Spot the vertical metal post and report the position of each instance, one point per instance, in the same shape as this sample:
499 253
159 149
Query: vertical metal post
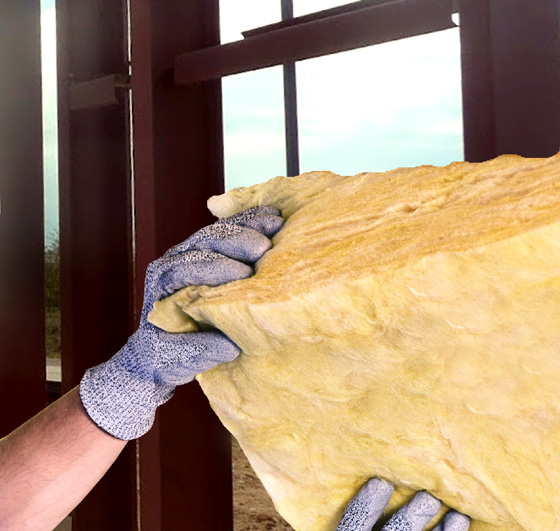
511 78
95 229
22 291
290 105
185 459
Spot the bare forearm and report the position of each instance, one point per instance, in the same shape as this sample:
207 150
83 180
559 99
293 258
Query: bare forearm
50 463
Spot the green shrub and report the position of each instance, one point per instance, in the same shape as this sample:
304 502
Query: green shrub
52 274
52 297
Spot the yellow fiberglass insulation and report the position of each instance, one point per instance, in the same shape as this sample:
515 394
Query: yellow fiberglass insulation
405 325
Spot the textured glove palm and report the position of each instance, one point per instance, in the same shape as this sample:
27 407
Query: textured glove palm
121 395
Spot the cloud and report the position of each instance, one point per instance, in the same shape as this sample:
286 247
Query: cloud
303 7
242 15
254 145
243 144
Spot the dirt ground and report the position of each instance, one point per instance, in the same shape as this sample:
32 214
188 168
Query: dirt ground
253 509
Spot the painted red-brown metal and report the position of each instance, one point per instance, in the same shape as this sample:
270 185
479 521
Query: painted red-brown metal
147 448
511 78
479 120
185 459
95 230
100 92
347 31
22 314
290 103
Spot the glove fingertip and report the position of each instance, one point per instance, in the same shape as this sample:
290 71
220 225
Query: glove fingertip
265 224
273 225
366 506
455 521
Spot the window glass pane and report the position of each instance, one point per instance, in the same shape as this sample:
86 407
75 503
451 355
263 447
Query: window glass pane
241 15
382 107
254 142
304 7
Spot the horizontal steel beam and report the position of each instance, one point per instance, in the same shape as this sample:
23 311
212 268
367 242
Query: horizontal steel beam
100 92
317 15
346 31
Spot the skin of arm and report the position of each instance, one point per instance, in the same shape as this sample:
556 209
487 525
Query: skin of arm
49 464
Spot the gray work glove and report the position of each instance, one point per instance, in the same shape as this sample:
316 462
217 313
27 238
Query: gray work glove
122 394
366 507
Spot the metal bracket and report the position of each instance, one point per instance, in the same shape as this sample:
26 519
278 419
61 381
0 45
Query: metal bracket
98 93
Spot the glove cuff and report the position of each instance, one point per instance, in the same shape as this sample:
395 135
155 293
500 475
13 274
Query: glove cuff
119 400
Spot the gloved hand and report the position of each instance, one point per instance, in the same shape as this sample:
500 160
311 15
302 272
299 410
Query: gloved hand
366 507
122 394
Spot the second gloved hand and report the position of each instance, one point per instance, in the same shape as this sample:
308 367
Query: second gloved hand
366 507
122 394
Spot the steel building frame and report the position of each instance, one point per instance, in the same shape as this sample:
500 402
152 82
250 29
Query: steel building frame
121 208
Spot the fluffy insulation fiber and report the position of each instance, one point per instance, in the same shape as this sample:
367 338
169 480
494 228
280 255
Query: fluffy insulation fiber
405 325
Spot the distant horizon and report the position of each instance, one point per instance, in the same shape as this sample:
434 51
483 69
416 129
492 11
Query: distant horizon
392 105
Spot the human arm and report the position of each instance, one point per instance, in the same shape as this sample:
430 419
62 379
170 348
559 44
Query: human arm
49 464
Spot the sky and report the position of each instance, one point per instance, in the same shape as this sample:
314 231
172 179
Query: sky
50 146
392 105
372 109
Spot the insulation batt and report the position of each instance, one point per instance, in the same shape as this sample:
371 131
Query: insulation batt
405 325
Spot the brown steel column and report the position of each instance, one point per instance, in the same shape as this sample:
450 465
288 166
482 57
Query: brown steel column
185 460
95 226
22 291
511 78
